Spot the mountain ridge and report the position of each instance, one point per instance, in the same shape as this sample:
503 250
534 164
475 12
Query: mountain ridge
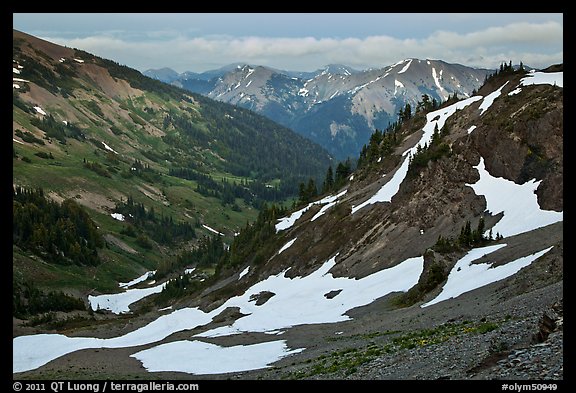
307 101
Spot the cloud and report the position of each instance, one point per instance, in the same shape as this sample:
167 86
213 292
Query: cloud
536 44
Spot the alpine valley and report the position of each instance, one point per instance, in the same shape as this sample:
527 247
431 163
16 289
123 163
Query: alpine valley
161 234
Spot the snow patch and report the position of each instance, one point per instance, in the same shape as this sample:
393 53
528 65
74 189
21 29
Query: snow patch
249 83
518 202
15 70
40 110
403 70
437 81
15 86
189 271
17 141
137 280
287 245
489 99
466 276
109 148
515 91
543 78
78 60
212 230
119 303
397 84
289 221
117 216
197 357
244 272
472 128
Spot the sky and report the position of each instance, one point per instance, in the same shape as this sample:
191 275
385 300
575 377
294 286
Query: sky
304 42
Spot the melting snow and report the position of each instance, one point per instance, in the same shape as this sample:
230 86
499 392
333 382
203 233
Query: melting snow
119 303
297 301
543 78
390 189
108 148
212 230
244 272
472 128
301 300
466 276
287 245
403 70
205 358
437 81
518 202
288 222
40 110
118 216
397 84
137 280
489 99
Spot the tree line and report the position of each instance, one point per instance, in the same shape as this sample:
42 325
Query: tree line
161 228
60 233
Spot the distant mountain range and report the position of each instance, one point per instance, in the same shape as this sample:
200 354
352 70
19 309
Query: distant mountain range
337 106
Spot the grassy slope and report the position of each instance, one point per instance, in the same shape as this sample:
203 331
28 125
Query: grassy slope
124 123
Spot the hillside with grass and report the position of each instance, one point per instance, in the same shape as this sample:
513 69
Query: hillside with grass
134 171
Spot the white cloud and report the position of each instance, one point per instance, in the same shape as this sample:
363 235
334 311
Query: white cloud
536 44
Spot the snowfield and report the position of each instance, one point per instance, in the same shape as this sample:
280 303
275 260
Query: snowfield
300 300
